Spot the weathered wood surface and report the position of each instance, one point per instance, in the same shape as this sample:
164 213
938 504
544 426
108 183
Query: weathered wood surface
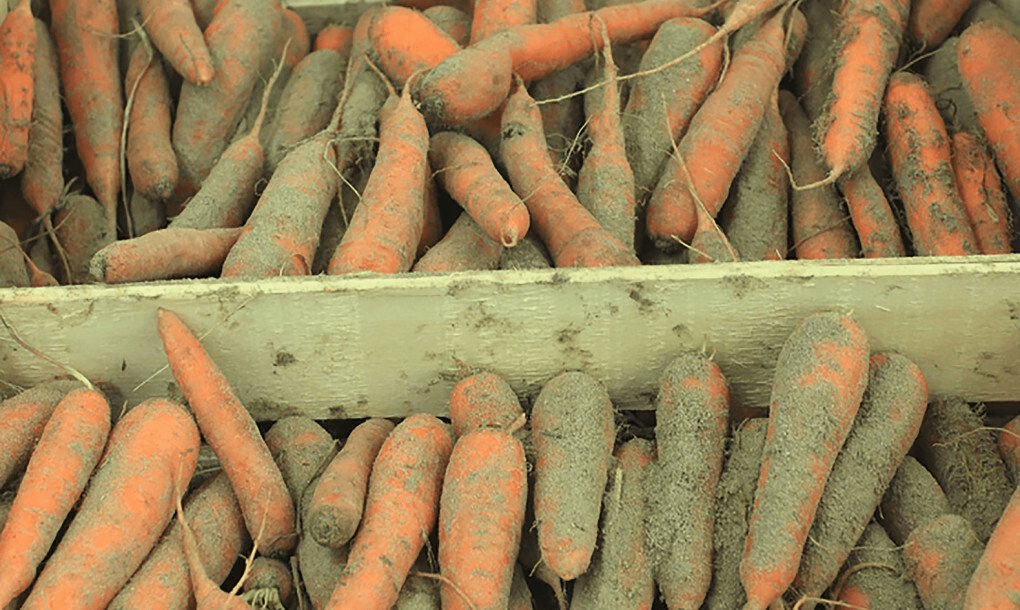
351 347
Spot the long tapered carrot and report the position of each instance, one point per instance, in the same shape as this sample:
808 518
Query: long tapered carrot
17 84
981 193
174 31
995 584
42 180
151 160
22 419
492 16
61 464
871 214
231 432
401 510
128 503
163 255
86 37
821 373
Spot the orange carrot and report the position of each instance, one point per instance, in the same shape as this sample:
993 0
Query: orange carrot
481 511
573 236
821 373
483 400
1009 448
42 181
61 464
464 247
335 37
466 172
451 20
208 595
269 581
995 583
812 75
294 37
17 84
941 557
404 41
920 157
718 138
150 155
931 21
981 193
86 37
128 503
229 429
338 499
22 419
872 215
165 254
492 16
175 32
875 576
401 510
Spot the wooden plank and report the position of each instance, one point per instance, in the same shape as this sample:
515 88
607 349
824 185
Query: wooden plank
350 347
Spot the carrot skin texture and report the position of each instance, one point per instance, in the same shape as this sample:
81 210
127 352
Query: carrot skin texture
338 500
464 247
481 511
401 509
172 26
455 22
163 254
822 369
941 557
17 87
1009 447
152 162
920 157
22 419
61 464
231 432
913 498
872 215
42 179
931 21
334 37
981 193
876 575
128 503
404 41
301 449
492 16
995 583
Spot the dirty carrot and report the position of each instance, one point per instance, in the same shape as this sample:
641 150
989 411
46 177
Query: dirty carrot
319 567
941 557
996 579
404 41
820 376
464 247
128 503
62 462
455 22
871 214
81 227
483 400
42 180
13 271
981 193
17 84
492 16
401 509
151 160
913 498
231 432
22 419
269 582
812 75
574 237
931 21
1009 448
335 37
208 594
875 576
301 448
164 254
174 31
338 499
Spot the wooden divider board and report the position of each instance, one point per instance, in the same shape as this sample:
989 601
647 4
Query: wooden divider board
345 347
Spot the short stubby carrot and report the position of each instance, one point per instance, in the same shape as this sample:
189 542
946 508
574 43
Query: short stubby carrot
996 579
919 153
151 160
483 400
22 419
17 85
981 193
401 510
821 373
172 26
231 432
129 502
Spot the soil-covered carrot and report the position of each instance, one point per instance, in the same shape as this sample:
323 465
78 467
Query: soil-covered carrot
451 20
335 37
489 17
129 502
1009 448
22 419
464 247
529 253
621 572
164 254
320 568
301 448
692 413
573 431
996 579
920 156
520 593
62 462
13 272
887 423
465 170
403 41
964 458
912 499
875 575
208 595
269 582
942 72
530 557
481 511
163 582
150 155
574 237
86 37
872 216
17 84
718 138
81 227
336 503
483 400
401 509
931 21
175 32
42 180
231 432
734 497
821 373
941 557
981 193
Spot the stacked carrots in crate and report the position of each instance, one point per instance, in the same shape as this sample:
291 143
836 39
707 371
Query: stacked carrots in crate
223 138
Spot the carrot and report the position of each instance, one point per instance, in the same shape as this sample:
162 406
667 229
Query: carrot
336 502
421 589
208 595
150 155
520 593
295 38
812 72
127 505
886 426
387 225
573 431
931 21
42 180
920 157
229 429
13 272
401 509
451 20
734 496
465 170
301 448
61 464
718 138
319 567
404 41
269 583
621 574
163 581
529 253
871 214
574 237
493 16
241 41
17 59
465 247
483 400
818 225
1009 448
964 458
942 72
530 557
875 575
692 412
941 557
996 579
335 37
81 227
164 254
821 373
22 419
912 499
175 32
981 193
86 38
867 45
481 511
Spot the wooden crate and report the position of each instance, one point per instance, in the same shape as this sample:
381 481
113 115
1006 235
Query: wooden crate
345 347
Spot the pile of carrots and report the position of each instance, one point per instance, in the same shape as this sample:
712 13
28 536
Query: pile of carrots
856 489
147 140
